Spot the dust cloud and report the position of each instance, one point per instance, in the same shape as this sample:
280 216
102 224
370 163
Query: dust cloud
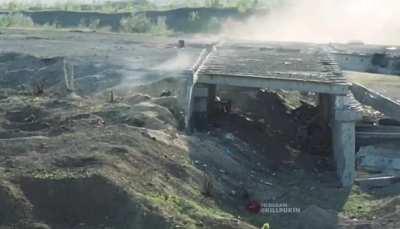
322 21
182 61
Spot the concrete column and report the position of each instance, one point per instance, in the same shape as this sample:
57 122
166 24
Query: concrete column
199 107
344 151
343 139
189 101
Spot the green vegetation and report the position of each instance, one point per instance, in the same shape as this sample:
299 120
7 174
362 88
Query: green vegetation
359 204
187 210
196 23
15 20
138 23
134 24
92 25
136 6
266 226
107 7
141 24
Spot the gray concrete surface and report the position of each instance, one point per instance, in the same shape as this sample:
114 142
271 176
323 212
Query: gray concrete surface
286 66
344 151
380 102
385 85
380 158
344 139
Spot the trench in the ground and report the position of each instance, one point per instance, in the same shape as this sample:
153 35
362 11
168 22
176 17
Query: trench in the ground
28 118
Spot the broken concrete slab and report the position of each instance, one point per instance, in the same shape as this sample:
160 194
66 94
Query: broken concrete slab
376 100
380 158
378 181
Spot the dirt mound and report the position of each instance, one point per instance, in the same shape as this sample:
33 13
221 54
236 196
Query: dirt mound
315 217
136 98
145 114
177 87
388 213
391 206
84 202
135 146
14 206
89 202
172 103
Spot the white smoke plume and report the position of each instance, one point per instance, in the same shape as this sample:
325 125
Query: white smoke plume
322 21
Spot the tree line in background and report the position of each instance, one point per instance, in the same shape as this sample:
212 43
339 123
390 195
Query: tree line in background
133 24
140 5
190 19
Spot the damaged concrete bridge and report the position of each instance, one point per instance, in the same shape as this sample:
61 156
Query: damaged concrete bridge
279 66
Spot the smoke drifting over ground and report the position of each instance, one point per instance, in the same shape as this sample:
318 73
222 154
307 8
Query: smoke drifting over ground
371 21
182 61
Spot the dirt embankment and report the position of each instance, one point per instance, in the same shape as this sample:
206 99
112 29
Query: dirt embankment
74 163
118 159
95 161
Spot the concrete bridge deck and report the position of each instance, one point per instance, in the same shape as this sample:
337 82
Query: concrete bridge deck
273 65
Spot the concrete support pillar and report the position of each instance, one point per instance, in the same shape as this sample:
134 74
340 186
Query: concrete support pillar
343 139
200 101
344 151
189 101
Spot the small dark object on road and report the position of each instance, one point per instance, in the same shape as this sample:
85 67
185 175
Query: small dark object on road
166 93
181 44
38 88
100 123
